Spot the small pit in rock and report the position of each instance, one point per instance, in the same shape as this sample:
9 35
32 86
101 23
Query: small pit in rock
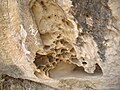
84 63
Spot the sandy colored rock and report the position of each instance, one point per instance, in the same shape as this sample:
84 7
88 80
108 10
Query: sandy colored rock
63 44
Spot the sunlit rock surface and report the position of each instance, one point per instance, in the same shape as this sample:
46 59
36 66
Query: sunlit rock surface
60 44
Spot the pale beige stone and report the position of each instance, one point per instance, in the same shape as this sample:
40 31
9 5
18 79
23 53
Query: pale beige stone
38 42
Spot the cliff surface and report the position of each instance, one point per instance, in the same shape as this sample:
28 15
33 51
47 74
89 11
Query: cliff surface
59 45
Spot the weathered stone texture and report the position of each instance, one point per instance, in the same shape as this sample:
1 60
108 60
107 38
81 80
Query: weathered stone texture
65 44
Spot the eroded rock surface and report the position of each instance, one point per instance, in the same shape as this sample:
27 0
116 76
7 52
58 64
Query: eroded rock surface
62 42
65 44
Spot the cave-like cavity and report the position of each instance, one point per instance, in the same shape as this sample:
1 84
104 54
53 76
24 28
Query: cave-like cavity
61 55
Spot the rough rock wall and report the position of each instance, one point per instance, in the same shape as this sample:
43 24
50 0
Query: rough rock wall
10 83
65 44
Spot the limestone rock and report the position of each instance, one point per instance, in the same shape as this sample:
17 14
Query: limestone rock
60 44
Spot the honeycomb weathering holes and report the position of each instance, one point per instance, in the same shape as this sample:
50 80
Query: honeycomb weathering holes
58 55
57 68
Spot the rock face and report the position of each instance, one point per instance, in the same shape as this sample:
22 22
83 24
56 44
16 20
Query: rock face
59 45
